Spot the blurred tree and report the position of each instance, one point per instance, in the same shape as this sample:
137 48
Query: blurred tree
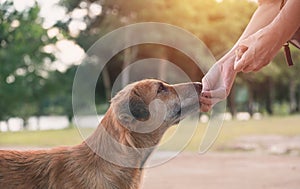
23 70
58 90
260 87
289 79
218 24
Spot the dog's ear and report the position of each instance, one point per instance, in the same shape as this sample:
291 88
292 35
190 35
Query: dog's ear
138 108
134 109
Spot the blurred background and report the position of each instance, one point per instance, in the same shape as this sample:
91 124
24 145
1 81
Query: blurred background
43 42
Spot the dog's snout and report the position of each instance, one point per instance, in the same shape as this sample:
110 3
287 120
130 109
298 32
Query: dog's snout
198 87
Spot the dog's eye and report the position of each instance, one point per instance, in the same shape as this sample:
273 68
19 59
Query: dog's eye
161 88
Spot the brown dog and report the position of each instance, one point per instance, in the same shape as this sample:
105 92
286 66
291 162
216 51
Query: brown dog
113 156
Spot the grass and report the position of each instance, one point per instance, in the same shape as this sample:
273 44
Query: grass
286 126
41 138
174 139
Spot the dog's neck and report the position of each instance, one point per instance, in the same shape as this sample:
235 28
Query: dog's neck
115 146
111 135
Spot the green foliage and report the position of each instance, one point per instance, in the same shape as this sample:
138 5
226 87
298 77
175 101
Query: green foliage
22 71
287 73
58 90
27 87
217 24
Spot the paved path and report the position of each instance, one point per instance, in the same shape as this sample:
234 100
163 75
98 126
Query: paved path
225 171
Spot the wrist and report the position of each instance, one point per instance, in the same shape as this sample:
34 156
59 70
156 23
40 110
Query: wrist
229 55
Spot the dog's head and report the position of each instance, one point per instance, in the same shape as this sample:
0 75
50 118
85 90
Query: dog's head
150 104
138 117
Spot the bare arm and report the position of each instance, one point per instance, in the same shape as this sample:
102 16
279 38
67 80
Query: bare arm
264 15
259 49
287 22
218 81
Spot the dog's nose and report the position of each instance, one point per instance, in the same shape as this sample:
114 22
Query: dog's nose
198 87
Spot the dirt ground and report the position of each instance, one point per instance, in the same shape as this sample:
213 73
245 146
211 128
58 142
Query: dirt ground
225 170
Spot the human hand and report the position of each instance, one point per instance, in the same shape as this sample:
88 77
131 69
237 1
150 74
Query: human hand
257 51
217 83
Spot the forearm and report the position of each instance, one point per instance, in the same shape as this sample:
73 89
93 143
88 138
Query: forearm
287 21
264 15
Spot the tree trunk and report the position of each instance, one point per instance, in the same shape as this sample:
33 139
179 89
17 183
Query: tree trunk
269 96
25 123
292 96
250 101
125 68
231 102
129 56
298 107
106 83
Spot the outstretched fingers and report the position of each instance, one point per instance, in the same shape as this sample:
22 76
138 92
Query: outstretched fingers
209 98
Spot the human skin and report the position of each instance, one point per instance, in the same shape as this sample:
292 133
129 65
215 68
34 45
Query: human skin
260 48
266 19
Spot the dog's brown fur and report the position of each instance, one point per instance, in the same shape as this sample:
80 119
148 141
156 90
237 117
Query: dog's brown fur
80 166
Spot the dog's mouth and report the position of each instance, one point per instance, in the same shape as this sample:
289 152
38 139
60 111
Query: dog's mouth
177 118
183 111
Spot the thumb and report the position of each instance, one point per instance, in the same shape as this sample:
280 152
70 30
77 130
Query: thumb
241 63
240 51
